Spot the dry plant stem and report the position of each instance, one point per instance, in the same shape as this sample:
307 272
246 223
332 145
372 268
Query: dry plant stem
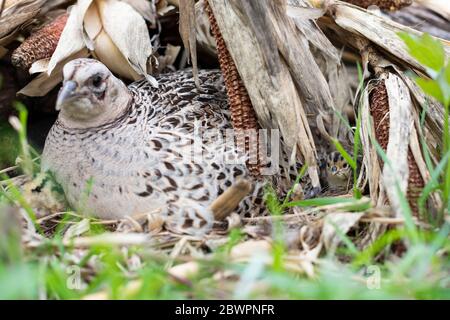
228 201
40 45
382 4
243 115
379 108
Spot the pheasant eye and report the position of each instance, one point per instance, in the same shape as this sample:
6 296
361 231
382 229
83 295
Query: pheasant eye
97 81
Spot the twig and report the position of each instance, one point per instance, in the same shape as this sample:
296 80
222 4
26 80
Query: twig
227 202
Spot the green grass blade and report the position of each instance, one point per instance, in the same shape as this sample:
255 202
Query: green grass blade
345 154
345 239
297 180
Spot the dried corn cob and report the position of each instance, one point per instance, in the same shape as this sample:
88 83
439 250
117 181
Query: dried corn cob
382 4
243 115
379 108
40 45
415 183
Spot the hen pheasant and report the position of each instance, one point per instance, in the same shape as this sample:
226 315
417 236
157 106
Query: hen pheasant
137 146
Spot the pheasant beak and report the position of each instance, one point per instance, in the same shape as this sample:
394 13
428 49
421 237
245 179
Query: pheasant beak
67 92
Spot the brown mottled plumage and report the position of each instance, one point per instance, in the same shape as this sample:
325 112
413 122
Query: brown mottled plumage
338 172
132 143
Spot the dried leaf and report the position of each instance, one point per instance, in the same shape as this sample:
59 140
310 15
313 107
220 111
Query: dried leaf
272 91
371 168
155 222
395 175
439 6
39 66
382 31
245 250
188 33
382 4
306 25
16 13
185 270
336 225
116 238
71 41
43 83
234 221
130 36
145 8
77 229
202 26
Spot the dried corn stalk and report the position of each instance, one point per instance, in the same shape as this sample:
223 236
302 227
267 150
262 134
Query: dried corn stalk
392 110
205 39
421 18
277 67
187 32
243 115
328 59
330 90
380 30
393 102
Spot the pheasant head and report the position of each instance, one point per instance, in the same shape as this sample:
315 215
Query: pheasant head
91 95
337 167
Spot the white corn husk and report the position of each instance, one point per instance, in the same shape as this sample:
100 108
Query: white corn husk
111 30
441 7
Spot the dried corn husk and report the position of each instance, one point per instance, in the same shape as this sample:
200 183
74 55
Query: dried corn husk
93 27
15 14
277 67
396 174
396 127
44 82
187 32
421 18
336 223
326 56
329 61
376 37
203 29
380 30
439 6
147 9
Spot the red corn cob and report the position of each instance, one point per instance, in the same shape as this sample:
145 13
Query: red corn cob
40 45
